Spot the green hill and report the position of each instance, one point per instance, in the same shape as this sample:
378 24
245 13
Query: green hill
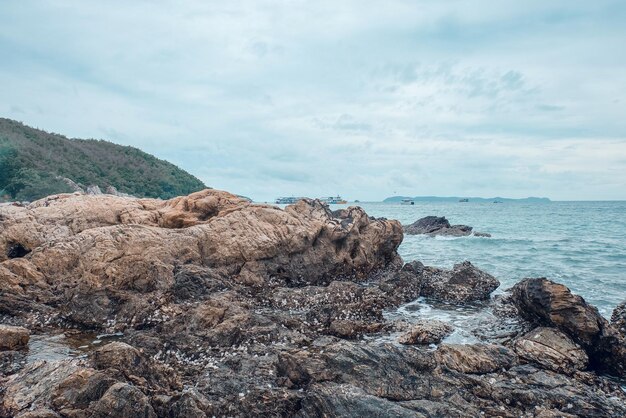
32 163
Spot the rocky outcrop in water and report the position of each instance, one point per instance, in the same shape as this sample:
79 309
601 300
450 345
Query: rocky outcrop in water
434 225
225 308
553 304
464 283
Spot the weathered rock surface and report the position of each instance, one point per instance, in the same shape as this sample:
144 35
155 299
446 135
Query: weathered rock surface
552 304
234 309
435 225
551 349
464 283
426 332
13 338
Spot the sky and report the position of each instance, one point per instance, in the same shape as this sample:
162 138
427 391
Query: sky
365 99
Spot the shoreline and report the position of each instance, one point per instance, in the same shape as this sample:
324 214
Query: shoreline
209 305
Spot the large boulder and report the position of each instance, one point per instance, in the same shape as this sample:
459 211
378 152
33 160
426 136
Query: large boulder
553 304
435 225
102 252
464 283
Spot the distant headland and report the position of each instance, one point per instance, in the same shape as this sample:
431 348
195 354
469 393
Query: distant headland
398 199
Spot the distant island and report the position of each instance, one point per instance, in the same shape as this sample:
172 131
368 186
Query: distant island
35 164
398 199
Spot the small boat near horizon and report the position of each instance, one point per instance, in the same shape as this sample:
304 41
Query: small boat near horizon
407 202
287 200
464 200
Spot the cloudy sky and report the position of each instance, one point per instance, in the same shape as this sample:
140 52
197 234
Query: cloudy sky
362 98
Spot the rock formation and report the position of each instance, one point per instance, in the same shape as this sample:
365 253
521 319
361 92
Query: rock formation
464 283
208 305
434 225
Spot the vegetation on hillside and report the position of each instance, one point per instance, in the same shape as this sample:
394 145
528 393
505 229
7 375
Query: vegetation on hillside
33 161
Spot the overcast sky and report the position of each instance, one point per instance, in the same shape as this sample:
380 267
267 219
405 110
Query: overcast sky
360 98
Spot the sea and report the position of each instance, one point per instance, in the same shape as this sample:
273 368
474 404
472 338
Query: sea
579 244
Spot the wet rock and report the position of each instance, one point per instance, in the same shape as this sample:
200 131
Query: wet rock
426 332
551 349
476 358
434 225
403 285
552 304
464 283
13 338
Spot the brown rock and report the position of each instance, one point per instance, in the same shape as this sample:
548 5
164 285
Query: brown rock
102 251
426 332
552 304
13 338
551 349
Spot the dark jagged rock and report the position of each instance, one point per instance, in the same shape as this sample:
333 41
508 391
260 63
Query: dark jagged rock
464 283
552 304
435 225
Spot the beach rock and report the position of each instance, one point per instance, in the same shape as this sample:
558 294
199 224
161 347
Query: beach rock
426 332
434 225
103 251
551 349
482 234
464 283
552 304
13 338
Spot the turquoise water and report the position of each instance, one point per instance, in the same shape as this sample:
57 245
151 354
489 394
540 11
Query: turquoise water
579 244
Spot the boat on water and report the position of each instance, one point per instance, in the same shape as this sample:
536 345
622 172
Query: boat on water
464 200
333 200
287 200
407 202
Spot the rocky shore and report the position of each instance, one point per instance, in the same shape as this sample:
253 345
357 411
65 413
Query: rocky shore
208 305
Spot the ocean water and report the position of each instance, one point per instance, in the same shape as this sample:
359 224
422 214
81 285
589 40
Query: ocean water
579 244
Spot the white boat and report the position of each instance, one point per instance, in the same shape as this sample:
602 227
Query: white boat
333 200
287 200
407 202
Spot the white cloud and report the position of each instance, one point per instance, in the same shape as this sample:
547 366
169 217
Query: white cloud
361 98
